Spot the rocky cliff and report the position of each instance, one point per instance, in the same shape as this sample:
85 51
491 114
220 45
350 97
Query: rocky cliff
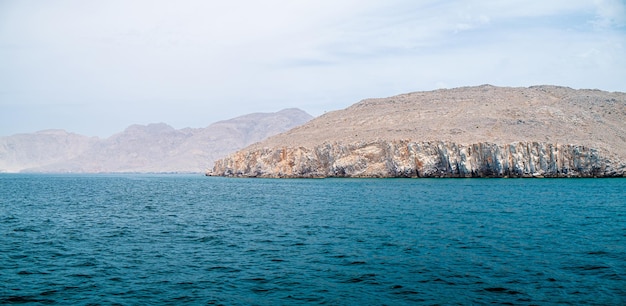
484 131
422 159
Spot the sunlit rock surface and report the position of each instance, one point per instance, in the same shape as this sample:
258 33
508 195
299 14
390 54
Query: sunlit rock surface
421 159
483 131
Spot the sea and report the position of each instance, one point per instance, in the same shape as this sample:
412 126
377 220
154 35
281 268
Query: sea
147 239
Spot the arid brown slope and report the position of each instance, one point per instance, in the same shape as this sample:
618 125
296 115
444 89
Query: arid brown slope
548 115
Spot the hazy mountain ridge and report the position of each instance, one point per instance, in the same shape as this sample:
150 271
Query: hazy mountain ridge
23 151
460 132
154 147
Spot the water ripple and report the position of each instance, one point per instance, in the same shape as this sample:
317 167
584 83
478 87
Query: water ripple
151 239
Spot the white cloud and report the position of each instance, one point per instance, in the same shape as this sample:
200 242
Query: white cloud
610 13
202 61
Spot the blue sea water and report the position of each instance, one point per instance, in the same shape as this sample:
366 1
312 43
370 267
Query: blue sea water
189 239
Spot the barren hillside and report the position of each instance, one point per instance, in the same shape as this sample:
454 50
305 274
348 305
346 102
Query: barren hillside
464 116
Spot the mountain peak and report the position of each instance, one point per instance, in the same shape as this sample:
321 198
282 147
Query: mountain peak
155 147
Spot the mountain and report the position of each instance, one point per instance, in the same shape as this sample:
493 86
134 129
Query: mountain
142 148
481 131
23 151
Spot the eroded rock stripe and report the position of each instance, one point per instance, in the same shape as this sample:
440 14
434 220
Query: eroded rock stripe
406 158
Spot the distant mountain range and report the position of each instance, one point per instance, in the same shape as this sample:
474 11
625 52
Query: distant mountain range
142 148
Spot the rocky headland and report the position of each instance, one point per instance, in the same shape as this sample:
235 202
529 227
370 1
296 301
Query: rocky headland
482 131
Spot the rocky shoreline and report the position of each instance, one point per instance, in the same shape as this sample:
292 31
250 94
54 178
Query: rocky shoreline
421 159
480 131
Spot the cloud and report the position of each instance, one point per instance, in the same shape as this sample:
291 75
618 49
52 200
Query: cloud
202 61
610 14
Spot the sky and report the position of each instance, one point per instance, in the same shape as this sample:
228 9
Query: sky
96 67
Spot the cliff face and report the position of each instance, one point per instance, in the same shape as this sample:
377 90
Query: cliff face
422 159
482 131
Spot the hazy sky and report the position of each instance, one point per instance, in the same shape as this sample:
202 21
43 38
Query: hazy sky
95 67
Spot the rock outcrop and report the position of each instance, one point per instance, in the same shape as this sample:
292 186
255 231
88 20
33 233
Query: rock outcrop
483 131
421 159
